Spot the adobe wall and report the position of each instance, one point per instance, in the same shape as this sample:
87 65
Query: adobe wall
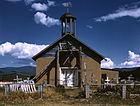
91 65
111 74
94 69
40 64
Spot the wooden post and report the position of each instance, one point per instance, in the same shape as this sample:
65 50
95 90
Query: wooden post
57 69
6 90
40 89
124 92
80 65
74 28
70 25
85 67
87 91
66 26
86 85
62 27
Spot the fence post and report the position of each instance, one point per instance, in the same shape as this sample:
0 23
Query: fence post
6 90
87 91
40 91
124 91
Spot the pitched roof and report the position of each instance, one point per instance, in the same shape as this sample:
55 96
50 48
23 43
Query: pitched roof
77 43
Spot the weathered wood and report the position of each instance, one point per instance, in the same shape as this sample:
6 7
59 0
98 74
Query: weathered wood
62 28
6 90
70 68
66 26
70 25
80 65
40 90
74 27
124 91
85 67
86 91
69 50
43 71
57 69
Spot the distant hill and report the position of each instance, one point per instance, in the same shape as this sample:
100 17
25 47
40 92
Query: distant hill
28 70
135 73
125 72
126 69
9 73
11 77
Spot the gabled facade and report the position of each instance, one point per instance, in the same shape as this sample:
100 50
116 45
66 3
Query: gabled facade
65 61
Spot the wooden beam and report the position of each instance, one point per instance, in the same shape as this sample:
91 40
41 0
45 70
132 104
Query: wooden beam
70 25
80 65
57 69
69 68
68 50
44 71
66 26
74 28
62 27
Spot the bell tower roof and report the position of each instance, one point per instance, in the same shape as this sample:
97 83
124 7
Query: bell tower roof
67 16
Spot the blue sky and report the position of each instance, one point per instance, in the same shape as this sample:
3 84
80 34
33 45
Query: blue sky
111 27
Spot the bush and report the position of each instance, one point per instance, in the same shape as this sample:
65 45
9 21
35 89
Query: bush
60 89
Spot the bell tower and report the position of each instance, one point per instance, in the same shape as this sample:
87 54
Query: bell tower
68 23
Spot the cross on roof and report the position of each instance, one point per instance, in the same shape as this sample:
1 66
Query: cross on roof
67 6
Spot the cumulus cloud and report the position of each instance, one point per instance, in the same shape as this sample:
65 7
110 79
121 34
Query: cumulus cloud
13 0
108 63
130 11
89 26
39 7
28 1
132 61
20 50
40 18
51 3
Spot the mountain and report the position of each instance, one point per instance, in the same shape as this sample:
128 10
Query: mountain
135 73
126 69
28 70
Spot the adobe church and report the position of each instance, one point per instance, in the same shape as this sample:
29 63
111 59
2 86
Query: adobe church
70 62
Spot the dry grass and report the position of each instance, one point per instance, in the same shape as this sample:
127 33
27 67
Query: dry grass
51 97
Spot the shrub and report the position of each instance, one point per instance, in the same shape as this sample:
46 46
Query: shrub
60 89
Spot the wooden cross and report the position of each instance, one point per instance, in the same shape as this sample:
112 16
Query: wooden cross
107 80
17 79
67 6
130 77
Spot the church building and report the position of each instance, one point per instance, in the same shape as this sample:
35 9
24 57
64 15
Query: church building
70 62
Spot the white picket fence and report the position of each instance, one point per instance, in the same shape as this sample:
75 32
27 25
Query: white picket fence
27 88
24 87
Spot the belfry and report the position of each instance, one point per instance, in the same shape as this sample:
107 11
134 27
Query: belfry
67 60
69 21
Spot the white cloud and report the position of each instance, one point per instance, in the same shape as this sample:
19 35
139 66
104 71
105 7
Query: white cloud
107 64
20 50
39 7
89 26
132 61
28 1
40 18
133 11
51 3
13 0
